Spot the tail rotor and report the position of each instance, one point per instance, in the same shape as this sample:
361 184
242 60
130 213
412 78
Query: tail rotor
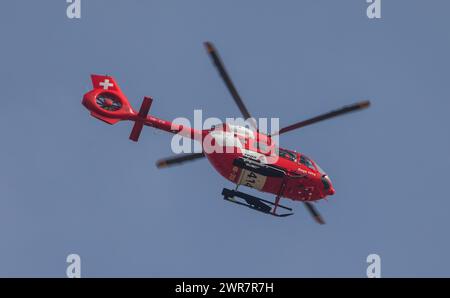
107 102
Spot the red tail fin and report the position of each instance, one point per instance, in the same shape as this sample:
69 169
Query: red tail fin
106 101
106 83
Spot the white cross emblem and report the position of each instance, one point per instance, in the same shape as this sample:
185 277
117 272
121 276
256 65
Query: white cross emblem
106 84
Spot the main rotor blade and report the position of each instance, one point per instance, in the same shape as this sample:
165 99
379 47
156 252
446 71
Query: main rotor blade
344 110
315 214
226 78
166 162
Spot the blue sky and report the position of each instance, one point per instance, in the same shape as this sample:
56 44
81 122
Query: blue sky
72 184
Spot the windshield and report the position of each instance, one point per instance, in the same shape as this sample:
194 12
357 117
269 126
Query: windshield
307 162
320 170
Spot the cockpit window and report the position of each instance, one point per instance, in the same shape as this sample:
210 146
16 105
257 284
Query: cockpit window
287 154
307 162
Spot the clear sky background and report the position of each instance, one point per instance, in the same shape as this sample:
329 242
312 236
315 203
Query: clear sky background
72 184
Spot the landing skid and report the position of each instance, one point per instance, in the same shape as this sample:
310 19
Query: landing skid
254 203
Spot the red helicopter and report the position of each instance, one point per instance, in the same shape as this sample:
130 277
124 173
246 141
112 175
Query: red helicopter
255 161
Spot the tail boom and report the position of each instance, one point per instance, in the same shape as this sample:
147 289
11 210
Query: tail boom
108 103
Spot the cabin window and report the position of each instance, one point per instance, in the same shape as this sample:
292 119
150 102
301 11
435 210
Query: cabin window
287 154
307 162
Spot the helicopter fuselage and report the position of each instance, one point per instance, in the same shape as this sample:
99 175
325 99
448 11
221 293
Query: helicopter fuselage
255 161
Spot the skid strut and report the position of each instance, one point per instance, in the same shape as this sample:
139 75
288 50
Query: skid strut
254 203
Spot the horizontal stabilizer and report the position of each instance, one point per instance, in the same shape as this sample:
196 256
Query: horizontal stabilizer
142 115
